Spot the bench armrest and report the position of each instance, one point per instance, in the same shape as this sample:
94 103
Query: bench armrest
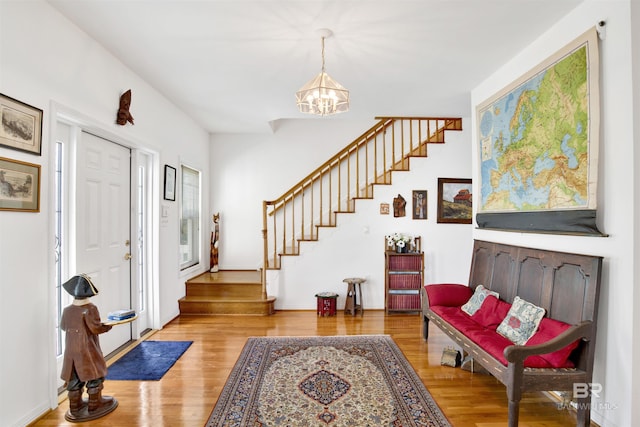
447 294
517 353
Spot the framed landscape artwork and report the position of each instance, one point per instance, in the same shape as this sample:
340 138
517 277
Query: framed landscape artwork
455 202
21 127
19 186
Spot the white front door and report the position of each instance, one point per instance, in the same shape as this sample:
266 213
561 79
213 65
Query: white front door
103 229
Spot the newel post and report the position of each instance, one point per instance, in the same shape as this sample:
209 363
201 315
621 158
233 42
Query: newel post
265 254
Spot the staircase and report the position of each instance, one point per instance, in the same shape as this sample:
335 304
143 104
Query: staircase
315 202
226 292
351 174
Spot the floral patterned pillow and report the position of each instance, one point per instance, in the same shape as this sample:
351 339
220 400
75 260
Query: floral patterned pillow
521 321
476 300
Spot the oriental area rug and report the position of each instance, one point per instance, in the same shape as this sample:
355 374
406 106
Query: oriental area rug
362 380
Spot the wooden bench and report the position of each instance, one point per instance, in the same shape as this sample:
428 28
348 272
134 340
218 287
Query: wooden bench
566 285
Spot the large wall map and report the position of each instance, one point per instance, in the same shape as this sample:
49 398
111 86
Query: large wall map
538 146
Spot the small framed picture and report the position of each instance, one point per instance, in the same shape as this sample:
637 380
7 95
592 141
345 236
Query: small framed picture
169 183
19 186
455 200
21 127
384 208
419 204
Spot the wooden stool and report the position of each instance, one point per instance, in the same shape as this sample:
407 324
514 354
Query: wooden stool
354 295
326 303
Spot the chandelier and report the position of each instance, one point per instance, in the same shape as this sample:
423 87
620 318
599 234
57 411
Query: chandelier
322 95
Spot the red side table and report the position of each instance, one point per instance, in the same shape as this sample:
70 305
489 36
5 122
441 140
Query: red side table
326 303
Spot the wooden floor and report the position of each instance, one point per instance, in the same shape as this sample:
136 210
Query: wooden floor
187 393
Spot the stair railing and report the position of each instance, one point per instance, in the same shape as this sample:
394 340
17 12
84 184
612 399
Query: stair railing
298 214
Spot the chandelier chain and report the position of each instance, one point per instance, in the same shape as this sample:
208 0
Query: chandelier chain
323 54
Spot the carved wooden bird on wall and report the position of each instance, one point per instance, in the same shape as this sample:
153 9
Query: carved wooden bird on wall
124 115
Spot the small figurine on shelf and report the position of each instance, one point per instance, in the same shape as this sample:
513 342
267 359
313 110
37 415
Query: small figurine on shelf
215 239
83 362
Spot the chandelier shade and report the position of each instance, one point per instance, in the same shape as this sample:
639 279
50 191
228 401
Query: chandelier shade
322 95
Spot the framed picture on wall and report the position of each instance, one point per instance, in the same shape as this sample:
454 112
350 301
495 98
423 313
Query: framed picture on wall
21 126
419 204
169 183
455 200
19 186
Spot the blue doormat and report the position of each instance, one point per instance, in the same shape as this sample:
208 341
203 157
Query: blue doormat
149 361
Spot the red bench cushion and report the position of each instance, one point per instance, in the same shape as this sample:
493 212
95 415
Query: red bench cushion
491 312
458 319
551 328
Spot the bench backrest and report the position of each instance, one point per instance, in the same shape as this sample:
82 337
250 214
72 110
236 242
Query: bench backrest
567 285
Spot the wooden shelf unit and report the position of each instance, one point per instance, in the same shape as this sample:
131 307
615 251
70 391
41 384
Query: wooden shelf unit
404 277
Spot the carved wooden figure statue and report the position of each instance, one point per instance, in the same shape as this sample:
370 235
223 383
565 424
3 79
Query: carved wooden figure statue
215 239
399 204
124 115
83 363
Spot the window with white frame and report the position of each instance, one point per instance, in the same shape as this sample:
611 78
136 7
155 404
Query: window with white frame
189 217
60 230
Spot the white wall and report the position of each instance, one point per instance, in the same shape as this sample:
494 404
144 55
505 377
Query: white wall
614 366
47 62
635 89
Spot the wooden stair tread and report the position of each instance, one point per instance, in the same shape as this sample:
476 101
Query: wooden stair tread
228 277
222 300
226 292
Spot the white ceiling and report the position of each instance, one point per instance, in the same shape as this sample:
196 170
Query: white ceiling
235 65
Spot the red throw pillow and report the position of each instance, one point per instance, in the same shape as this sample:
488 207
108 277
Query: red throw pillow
548 329
491 312
448 294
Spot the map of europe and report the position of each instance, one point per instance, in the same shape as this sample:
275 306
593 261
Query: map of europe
534 141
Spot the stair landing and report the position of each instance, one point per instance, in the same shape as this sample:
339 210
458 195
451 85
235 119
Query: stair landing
226 292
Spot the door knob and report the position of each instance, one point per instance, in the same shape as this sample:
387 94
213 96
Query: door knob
127 256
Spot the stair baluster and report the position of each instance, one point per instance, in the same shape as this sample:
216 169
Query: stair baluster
312 199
